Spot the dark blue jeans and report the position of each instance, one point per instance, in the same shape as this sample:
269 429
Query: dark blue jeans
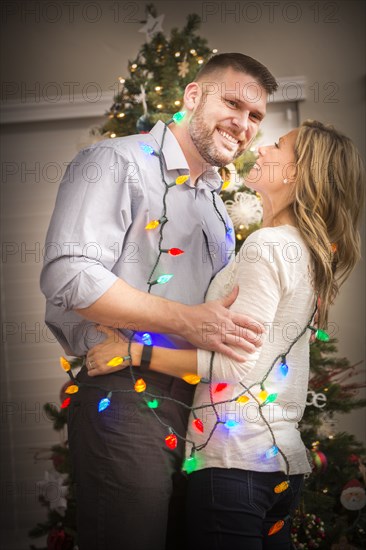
232 509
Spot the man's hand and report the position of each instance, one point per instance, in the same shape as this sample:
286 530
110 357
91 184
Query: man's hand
212 326
114 346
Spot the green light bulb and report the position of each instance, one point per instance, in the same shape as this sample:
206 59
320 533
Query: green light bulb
177 117
322 335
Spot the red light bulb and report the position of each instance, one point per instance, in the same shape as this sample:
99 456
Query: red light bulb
221 386
175 251
171 441
197 423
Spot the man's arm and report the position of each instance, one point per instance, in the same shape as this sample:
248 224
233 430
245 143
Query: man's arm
211 326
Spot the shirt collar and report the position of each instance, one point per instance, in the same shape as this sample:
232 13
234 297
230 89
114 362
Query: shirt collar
175 159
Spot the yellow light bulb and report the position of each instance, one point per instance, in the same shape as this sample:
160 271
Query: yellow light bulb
72 389
191 379
181 179
121 80
140 385
243 399
158 88
152 224
177 54
65 364
113 135
281 487
159 106
225 185
115 362
121 115
177 102
262 396
239 237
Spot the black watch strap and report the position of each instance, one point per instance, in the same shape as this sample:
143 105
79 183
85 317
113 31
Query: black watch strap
146 358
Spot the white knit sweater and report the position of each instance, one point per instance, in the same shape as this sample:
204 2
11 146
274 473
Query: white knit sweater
273 271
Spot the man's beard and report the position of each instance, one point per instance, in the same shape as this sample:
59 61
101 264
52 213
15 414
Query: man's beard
202 137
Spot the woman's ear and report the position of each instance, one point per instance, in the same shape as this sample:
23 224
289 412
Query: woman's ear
192 95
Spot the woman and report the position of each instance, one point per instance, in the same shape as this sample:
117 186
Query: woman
244 452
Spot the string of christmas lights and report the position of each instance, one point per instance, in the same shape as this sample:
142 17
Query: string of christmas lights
152 400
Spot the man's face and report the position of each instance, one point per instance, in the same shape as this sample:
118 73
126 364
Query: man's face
227 117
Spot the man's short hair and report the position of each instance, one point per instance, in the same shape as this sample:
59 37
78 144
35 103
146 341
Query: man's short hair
241 63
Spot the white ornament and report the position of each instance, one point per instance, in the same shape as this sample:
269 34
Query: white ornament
141 98
53 490
245 209
152 26
353 496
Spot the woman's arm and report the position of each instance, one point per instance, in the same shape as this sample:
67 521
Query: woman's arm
164 360
262 275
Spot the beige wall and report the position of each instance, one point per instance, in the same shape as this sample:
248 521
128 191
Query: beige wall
328 53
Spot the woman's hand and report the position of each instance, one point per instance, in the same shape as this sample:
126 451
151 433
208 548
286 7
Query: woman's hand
114 347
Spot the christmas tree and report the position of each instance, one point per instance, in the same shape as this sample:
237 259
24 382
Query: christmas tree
331 514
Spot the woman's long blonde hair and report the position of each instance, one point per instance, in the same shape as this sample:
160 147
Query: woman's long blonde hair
329 195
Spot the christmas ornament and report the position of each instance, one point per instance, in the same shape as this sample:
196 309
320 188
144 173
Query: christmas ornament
353 496
54 491
244 210
183 68
307 531
319 460
59 540
152 26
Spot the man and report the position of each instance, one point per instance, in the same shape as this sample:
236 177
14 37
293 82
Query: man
128 487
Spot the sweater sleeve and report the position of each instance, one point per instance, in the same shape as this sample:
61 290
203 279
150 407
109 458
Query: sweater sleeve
263 275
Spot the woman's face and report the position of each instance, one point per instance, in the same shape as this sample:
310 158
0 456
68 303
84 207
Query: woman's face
275 166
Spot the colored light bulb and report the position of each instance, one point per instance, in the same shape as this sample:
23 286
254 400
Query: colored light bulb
66 402
153 404
221 386
225 185
152 224
190 464
181 179
281 487
171 441
276 527
191 379
163 279
229 424
179 116
72 389
242 399
65 364
283 368
322 335
198 424
175 251
272 397
146 338
270 453
105 402
115 361
262 396
147 149
229 230
140 385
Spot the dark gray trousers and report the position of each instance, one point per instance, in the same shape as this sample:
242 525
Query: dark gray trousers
129 489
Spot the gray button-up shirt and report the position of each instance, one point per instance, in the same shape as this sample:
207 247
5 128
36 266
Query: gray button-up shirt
109 192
